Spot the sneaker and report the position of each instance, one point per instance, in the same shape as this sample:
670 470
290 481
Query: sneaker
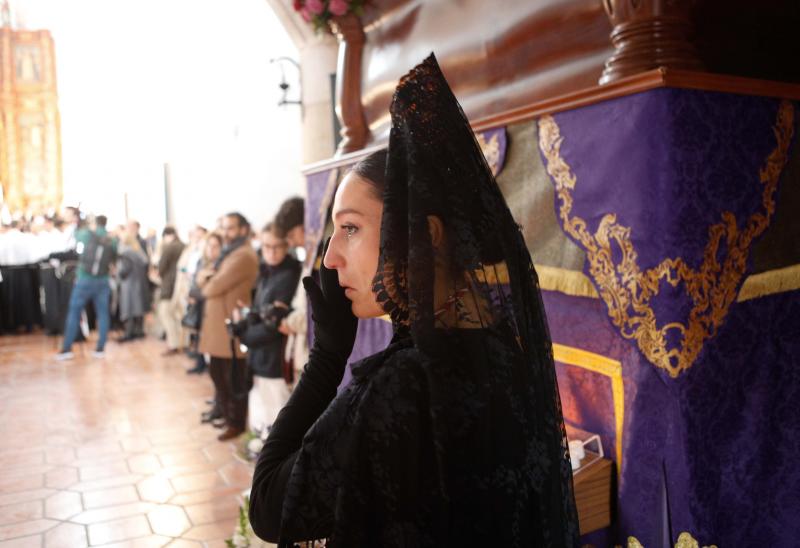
64 356
98 354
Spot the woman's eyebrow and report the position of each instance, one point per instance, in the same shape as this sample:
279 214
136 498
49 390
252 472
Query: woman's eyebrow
347 210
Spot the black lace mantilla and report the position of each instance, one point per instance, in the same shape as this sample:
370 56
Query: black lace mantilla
452 436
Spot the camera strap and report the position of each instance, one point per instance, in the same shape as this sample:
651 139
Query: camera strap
238 380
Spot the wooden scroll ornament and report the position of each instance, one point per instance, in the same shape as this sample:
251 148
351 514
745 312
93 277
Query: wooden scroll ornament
649 34
350 33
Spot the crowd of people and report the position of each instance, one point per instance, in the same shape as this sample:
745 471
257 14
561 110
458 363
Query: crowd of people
452 434
227 298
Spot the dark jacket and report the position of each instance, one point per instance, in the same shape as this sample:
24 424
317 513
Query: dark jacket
168 267
134 289
259 330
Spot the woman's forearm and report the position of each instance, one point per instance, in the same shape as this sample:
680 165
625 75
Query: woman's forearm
312 395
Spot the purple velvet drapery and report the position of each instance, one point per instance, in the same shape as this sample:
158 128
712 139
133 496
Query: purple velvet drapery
667 191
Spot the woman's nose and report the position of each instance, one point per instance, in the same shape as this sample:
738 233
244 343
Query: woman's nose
332 259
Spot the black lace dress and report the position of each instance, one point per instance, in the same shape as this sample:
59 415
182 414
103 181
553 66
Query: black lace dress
453 435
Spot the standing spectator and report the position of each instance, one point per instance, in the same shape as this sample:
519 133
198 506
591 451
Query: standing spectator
232 281
19 254
134 287
134 227
183 280
204 269
97 253
150 241
276 285
171 249
290 220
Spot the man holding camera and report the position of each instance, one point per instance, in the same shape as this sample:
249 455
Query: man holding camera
257 328
229 282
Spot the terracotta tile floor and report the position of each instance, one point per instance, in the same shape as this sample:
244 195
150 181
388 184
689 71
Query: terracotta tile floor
110 452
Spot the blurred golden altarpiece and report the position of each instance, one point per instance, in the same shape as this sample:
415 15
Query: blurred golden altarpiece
30 132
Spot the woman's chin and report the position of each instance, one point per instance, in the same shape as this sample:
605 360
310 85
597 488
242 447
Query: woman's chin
364 311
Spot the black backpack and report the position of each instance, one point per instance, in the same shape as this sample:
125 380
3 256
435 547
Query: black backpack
97 255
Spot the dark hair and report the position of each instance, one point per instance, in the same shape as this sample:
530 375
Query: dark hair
101 220
274 229
240 219
373 170
169 231
290 214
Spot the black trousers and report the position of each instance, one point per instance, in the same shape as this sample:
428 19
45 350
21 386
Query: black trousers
232 383
134 327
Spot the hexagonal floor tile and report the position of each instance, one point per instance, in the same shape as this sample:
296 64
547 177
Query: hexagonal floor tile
168 520
63 505
155 489
66 534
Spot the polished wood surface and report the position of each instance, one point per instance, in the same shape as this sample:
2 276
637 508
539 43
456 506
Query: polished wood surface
593 493
649 34
101 451
596 93
349 108
496 55
502 56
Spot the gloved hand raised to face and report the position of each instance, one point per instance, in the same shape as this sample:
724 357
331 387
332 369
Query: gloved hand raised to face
335 325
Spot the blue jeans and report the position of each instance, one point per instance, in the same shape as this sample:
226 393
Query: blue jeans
86 289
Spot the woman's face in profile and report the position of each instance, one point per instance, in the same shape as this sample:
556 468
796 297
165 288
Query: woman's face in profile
354 247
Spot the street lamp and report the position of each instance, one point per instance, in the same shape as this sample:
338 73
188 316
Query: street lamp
284 85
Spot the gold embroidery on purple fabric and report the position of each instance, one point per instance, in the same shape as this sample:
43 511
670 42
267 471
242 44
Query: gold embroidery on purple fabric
628 291
685 540
491 150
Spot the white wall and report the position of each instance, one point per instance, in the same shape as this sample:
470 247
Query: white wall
181 81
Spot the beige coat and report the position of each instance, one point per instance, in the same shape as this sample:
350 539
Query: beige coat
233 282
297 343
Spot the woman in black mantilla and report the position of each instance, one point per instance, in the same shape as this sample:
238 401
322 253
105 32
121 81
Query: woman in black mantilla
453 435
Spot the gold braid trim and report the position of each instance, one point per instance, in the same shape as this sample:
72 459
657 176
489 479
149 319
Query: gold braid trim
627 289
577 284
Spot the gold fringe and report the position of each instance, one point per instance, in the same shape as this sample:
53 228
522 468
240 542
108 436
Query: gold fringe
569 282
577 284
770 282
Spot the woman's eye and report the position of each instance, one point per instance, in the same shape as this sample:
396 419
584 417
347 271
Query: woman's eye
349 230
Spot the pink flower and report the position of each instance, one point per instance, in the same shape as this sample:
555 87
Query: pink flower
315 6
305 14
297 4
338 7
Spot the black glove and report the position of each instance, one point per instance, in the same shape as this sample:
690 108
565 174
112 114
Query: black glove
252 318
335 325
334 334
237 329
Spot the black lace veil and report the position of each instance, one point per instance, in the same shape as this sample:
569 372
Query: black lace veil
480 279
